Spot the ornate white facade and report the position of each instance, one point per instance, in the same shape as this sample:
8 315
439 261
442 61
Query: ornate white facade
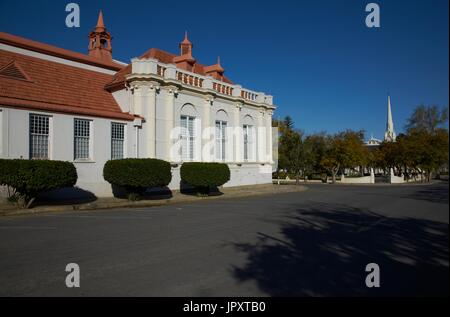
226 127
87 109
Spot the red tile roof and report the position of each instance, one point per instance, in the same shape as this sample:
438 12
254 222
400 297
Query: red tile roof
27 44
163 57
56 87
34 83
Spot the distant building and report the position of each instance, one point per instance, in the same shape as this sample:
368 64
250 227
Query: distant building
373 141
389 134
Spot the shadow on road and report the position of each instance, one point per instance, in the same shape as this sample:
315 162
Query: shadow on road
324 250
433 193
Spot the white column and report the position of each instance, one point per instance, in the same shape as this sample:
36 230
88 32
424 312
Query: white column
206 130
169 106
137 99
269 136
261 138
237 133
150 118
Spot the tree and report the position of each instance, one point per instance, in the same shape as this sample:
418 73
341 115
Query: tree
317 144
391 155
301 158
440 146
344 150
288 123
286 142
356 153
333 156
418 152
428 118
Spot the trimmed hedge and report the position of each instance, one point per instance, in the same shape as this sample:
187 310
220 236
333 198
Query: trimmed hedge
205 175
29 178
136 175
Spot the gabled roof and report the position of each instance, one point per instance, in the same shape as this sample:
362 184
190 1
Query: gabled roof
57 87
163 57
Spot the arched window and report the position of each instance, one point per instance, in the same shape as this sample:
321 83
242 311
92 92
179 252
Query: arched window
104 43
188 133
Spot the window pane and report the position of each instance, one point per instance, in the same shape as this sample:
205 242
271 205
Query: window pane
81 139
191 148
39 136
187 137
117 140
223 136
248 135
183 125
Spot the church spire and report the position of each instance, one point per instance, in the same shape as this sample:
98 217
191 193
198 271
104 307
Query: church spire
186 45
100 41
389 135
100 24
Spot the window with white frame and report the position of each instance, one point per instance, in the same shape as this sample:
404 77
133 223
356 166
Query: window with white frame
248 142
117 140
82 134
39 136
221 140
187 137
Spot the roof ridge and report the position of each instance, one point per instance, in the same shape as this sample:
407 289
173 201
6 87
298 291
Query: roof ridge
43 48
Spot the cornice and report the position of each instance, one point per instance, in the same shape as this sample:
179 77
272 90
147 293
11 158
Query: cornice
164 82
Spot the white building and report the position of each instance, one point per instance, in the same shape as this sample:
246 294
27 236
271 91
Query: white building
62 105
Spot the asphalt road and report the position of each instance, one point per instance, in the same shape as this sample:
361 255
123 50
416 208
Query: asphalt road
316 242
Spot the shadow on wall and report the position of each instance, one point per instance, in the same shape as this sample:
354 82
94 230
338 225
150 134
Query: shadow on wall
325 250
65 196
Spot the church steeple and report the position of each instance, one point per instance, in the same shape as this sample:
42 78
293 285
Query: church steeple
389 135
100 41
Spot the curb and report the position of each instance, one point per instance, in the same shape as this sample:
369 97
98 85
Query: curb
144 203
364 184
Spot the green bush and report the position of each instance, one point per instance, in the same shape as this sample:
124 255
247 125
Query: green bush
203 176
136 175
29 178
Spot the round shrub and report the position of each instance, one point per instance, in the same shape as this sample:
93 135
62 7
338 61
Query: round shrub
205 175
136 175
29 178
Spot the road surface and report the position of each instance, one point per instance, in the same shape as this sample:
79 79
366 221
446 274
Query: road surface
312 243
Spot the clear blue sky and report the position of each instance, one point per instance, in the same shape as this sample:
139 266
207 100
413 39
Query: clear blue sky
324 67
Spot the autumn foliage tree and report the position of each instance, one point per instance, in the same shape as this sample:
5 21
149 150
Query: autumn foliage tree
421 150
344 150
